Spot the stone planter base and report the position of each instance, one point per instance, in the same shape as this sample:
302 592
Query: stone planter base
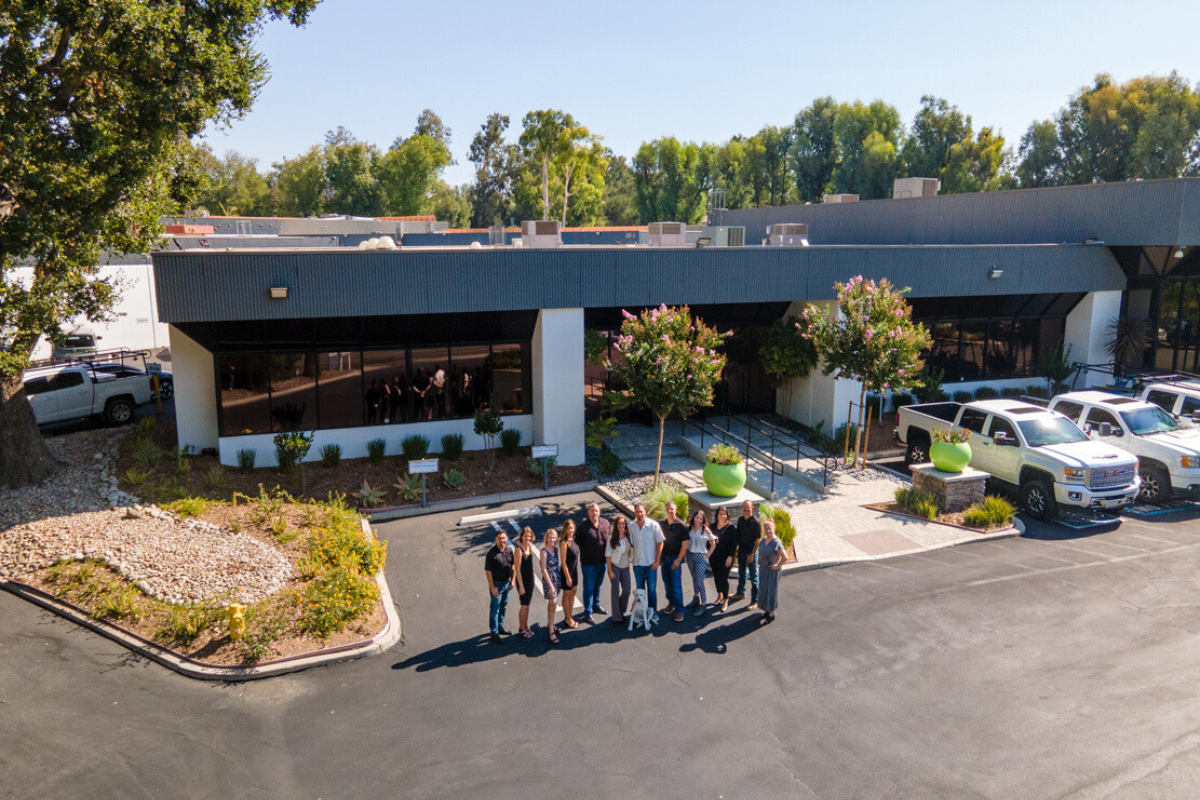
709 503
955 491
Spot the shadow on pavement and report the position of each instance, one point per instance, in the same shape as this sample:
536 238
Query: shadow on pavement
717 640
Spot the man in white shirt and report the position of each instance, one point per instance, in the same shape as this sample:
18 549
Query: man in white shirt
647 538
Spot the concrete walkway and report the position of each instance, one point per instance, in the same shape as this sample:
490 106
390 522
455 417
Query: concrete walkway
833 527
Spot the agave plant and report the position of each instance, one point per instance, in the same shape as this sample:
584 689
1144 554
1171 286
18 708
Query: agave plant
369 496
408 487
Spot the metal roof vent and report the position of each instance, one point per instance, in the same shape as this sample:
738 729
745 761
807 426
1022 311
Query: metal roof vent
788 234
905 188
839 198
541 233
668 234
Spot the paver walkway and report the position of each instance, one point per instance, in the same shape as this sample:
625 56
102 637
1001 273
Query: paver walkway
831 528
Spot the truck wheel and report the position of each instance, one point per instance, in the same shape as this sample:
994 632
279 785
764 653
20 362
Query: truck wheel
166 390
1037 498
1156 485
918 453
118 411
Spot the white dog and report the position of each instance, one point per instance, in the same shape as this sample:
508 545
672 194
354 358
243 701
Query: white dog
641 613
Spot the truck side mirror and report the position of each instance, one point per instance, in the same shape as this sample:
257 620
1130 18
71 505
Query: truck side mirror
1106 429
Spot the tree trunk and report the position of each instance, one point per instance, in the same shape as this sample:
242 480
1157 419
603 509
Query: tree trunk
24 457
545 187
858 436
662 423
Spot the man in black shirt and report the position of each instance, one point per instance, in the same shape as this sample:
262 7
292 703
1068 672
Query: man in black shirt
498 566
592 541
675 534
749 532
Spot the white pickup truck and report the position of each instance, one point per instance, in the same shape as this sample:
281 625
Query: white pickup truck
1168 453
63 392
1040 453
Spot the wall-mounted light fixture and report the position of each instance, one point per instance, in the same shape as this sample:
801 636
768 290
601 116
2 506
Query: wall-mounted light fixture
1179 252
995 272
278 292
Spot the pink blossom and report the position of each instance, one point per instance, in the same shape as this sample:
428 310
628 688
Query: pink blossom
868 334
666 338
663 308
900 372
627 315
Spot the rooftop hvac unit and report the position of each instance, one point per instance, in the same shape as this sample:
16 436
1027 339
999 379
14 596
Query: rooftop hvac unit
541 233
839 198
788 234
668 234
904 188
725 236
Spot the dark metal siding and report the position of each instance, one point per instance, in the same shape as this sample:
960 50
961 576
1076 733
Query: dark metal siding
197 286
1164 212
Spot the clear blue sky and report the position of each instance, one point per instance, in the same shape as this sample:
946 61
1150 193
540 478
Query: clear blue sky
635 71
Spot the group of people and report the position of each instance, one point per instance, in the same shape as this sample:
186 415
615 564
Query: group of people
431 394
632 554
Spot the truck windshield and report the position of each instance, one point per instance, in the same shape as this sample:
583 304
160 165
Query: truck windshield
1050 430
1149 420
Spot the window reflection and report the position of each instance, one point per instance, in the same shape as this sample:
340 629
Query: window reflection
383 388
293 391
507 369
245 401
430 381
340 389
468 370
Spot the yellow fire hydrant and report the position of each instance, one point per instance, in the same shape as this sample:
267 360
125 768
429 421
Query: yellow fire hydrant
237 622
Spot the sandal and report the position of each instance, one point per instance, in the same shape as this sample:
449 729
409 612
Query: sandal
553 638
527 634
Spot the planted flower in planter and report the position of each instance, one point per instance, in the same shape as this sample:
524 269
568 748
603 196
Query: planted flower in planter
951 451
724 473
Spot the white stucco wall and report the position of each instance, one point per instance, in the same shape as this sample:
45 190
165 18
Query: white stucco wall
192 370
353 441
818 397
1085 333
558 382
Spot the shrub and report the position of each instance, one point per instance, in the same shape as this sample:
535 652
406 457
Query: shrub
534 466
143 428
376 448
724 454
902 399
991 512
846 433
930 390
342 546
265 625
488 425
1012 392
510 441
409 488
187 507
986 393
609 462
657 498
290 449
216 478
454 478
963 397
184 623
414 447
452 446
334 599
246 459
369 496
145 454
135 476
331 455
119 601
952 436
917 502
1038 391
784 528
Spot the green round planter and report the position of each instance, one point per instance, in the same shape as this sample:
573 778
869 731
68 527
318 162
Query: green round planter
724 480
950 457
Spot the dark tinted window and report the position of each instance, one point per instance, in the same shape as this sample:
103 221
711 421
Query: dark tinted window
1069 409
1001 426
1190 406
973 420
65 380
1164 400
37 386
1099 415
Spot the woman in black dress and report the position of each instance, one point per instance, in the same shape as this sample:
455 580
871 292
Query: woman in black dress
524 554
568 556
722 556
397 400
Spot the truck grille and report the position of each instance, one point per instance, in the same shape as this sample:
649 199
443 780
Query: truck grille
1111 477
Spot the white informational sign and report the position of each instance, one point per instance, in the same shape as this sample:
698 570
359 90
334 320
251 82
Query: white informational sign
545 451
427 466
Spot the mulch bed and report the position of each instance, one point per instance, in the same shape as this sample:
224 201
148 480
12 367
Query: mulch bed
954 520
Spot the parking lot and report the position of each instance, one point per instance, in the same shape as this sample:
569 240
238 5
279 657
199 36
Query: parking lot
1059 664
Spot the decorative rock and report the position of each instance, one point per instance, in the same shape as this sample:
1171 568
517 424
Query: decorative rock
955 491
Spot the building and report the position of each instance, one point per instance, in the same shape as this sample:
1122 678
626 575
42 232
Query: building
268 337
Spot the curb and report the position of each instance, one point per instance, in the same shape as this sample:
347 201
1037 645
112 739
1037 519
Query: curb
1008 533
404 512
199 670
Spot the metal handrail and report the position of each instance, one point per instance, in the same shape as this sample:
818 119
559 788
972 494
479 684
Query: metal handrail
753 423
765 459
798 442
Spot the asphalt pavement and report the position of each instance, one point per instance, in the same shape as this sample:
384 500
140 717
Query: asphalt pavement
1050 666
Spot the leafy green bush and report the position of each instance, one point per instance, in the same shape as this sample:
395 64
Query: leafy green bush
930 390
1012 391
952 436
376 448
846 433
963 397
454 479
902 399
331 455
1038 391
266 625
656 501
343 546
784 528
246 459
917 502
724 454
452 446
334 599
986 393
414 447
510 441
609 462
990 512
144 428
534 466
188 506
290 449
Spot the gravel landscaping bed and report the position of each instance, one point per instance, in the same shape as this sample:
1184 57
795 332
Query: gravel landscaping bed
632 489
79 514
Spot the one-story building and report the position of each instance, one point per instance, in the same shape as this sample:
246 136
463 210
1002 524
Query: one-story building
266 338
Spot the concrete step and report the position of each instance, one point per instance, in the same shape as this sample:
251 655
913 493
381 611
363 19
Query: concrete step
674 464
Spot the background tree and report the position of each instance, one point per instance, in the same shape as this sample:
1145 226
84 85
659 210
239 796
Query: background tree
351 169
665 178
670 364
409 170
495 163
867 163
786 356
869 337
564 158
620 194
232 186
298 184
814 145
936 129
451 204
99 101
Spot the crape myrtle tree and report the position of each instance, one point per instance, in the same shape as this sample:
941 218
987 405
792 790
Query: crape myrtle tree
869 337
670 363
98 103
